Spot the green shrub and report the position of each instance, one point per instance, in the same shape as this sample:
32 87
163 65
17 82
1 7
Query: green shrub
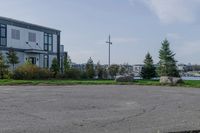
72 74
84 75
29 71
55 67
8 75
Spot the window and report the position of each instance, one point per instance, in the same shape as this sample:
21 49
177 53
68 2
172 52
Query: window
3 41
32 60
32 37
48 42
3 32
50 39
15 34
46 63
3 35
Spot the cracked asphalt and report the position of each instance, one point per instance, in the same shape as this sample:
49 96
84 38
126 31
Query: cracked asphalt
98 109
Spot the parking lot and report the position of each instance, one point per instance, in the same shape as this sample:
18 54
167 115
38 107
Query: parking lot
98 109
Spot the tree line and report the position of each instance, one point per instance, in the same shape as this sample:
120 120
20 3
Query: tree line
166 67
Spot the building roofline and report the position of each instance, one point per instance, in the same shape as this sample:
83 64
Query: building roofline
19 23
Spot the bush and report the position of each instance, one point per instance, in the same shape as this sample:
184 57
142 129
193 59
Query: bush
29 71
124 78
55 67
84 75
72 74
8 75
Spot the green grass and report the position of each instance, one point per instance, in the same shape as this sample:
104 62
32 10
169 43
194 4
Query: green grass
187 83
147 82
192 83
57 82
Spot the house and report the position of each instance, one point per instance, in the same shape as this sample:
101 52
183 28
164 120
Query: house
184 68
38 44
137 68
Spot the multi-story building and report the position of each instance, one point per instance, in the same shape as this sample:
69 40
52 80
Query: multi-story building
32 42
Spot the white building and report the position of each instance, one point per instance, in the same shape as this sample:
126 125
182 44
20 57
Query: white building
184 68
35 43
137 69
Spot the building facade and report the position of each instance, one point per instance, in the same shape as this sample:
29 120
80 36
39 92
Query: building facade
35 43
137 68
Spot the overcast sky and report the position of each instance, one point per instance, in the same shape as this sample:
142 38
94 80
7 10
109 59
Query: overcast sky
136 26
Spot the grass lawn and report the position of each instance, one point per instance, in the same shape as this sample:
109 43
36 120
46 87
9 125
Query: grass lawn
192 83
56 82
187 83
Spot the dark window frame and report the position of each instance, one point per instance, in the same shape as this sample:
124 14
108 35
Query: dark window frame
33 60
32 37
3 26
15 34
48 42
46 58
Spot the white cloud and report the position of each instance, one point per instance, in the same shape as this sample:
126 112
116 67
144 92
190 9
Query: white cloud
170 11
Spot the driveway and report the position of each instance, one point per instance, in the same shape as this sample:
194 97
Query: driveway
98 109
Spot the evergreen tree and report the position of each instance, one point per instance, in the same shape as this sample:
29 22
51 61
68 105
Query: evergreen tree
3 66
90 68
55 67
12 58
67 63
167 64
149 70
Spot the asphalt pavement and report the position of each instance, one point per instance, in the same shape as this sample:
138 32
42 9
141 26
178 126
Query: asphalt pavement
98 109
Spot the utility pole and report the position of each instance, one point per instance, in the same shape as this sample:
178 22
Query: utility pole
109 43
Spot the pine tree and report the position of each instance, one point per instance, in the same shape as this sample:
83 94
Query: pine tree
12 58
90 68
3 66
167 63
149 70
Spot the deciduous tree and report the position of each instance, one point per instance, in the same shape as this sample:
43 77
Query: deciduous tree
113 70
90 69
99 70
12 57
3 66
67 63
55 67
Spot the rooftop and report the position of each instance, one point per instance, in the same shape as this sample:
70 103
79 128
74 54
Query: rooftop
23 24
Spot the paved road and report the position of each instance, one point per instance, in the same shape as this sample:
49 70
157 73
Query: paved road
98 109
